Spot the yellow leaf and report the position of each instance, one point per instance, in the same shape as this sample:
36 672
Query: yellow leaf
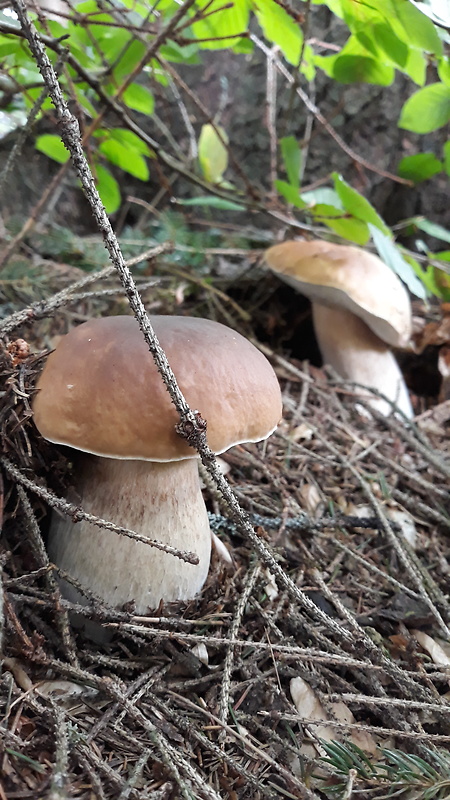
212 153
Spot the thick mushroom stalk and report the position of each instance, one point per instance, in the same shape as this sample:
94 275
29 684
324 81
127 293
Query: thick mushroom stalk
159 500
349 346
100 393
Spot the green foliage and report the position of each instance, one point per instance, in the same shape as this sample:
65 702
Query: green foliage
292 158
355 64
171 226
108 189
427 109
420 167
388 35
280 29
52 146
223 25
393 257
345 225
125 150
357 205
139 98
432 228
110 58
212 202
392 774
59 243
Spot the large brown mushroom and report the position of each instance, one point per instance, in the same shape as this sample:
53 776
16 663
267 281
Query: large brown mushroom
360 310
100 393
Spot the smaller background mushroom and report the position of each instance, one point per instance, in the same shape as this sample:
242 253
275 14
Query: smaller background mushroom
360 310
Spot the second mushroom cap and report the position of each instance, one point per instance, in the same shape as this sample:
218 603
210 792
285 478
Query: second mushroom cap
346 277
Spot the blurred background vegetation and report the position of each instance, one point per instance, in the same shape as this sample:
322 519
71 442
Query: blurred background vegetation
234 122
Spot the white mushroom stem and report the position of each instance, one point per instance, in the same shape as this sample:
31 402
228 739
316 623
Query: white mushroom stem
356 353
159 500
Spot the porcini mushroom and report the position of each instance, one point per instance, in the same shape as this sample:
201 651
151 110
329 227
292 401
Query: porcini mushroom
101 394
360 310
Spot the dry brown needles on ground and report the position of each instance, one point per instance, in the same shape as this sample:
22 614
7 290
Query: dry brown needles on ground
199 700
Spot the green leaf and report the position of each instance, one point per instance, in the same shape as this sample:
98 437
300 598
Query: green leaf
365 38
114 42
361 69
419 29
392 46
244 46
334 5
212 202
8 46
127 139
108 189
382 35
444 70
429 276
141 10
88 7
126 158
169 7
416 66
446 150
128 61
292 157
431 228
356 64
391 255
427 109
32 95
180 55
420 167
222 22
82 91
290 193
53 147
280 28
212 153
356 204
307 66
139 98
343 224
55 28
323 195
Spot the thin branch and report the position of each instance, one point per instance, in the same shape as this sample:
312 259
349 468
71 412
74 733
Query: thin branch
249 585
47 307
321 119
271 117
78 514
36 541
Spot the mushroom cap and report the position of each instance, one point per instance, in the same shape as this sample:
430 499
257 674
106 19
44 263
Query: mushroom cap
346 277
100 391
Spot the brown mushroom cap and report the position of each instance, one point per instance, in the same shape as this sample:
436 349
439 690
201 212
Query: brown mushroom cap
100 391
347 277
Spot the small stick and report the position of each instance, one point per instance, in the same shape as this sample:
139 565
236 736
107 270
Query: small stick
78 514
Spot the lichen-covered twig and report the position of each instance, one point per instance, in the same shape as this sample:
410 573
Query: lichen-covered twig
78 514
